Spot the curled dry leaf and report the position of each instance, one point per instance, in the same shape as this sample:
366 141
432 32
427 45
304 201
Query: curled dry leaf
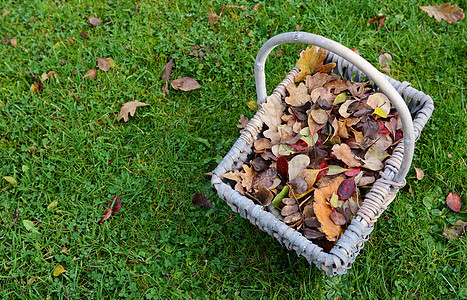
449 13
103 64
91 74
419 172
185 84
129 108
213 18
201 200
243 121
379 19
454 201
456 231
95 21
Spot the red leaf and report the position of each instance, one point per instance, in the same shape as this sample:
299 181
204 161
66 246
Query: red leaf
321 174
454 201
352 172
283 167
337 218
39 82
300 145
107 214
346 188
117 204
84 35
382 128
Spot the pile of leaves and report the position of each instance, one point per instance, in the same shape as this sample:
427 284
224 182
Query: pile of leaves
320 149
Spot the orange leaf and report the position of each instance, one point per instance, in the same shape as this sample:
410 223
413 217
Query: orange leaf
323 210
91 74
449 13
454 201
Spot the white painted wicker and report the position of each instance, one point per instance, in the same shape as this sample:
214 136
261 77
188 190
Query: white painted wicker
414 108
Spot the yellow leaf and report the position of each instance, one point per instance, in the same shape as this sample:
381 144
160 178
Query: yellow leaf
11 180
59 269
52 205
253 105
380 112
306 63
111 62
340 98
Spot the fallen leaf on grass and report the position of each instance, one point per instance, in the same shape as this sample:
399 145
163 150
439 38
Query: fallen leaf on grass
379 19
456 231
91 74
13 42
185 84
103 64
253 105
449 13
168 69
385 60
454 201
213 18
95 21
201 200
59 269
420 173
6 13
111 209
15 218
52 205
39 85
84 35
11 180
129 108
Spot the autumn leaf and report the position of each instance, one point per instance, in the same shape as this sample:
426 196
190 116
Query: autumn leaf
185 84
234 175
107 214
213 18
91 74
454 201
298 96
345 154
456 231
273 110
449 13
346 188
13 42
323 210
15 218
297 164
39 86
103 64
419 172
379 19
243 121
168 69
201 200
129 108
84 35
59 269
11 180
95 21
337 217
385 60
379 100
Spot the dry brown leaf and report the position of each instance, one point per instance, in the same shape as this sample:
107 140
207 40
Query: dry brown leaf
297 164
103 64
256 7
6 13
379 19
213 18
456 231
234 175
419 172
449 13
185 84
91 74
95 21
129 108
243 121
298 96
345 154
306 63
273 110
248 177
318 80
14 42
201 200
261 145
168 69
323 210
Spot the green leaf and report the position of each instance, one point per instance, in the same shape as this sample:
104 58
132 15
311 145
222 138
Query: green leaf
25 168
278 199
52 205
28 224
333 170
341 98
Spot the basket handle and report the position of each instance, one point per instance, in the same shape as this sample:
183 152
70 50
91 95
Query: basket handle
372 73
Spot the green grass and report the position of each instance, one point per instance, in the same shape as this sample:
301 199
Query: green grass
75 152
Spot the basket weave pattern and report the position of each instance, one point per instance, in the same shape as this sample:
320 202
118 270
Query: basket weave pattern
382 193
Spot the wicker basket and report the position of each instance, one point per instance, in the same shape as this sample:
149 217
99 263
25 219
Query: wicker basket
414 108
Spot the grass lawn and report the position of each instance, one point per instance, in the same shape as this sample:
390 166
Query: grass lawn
65 145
